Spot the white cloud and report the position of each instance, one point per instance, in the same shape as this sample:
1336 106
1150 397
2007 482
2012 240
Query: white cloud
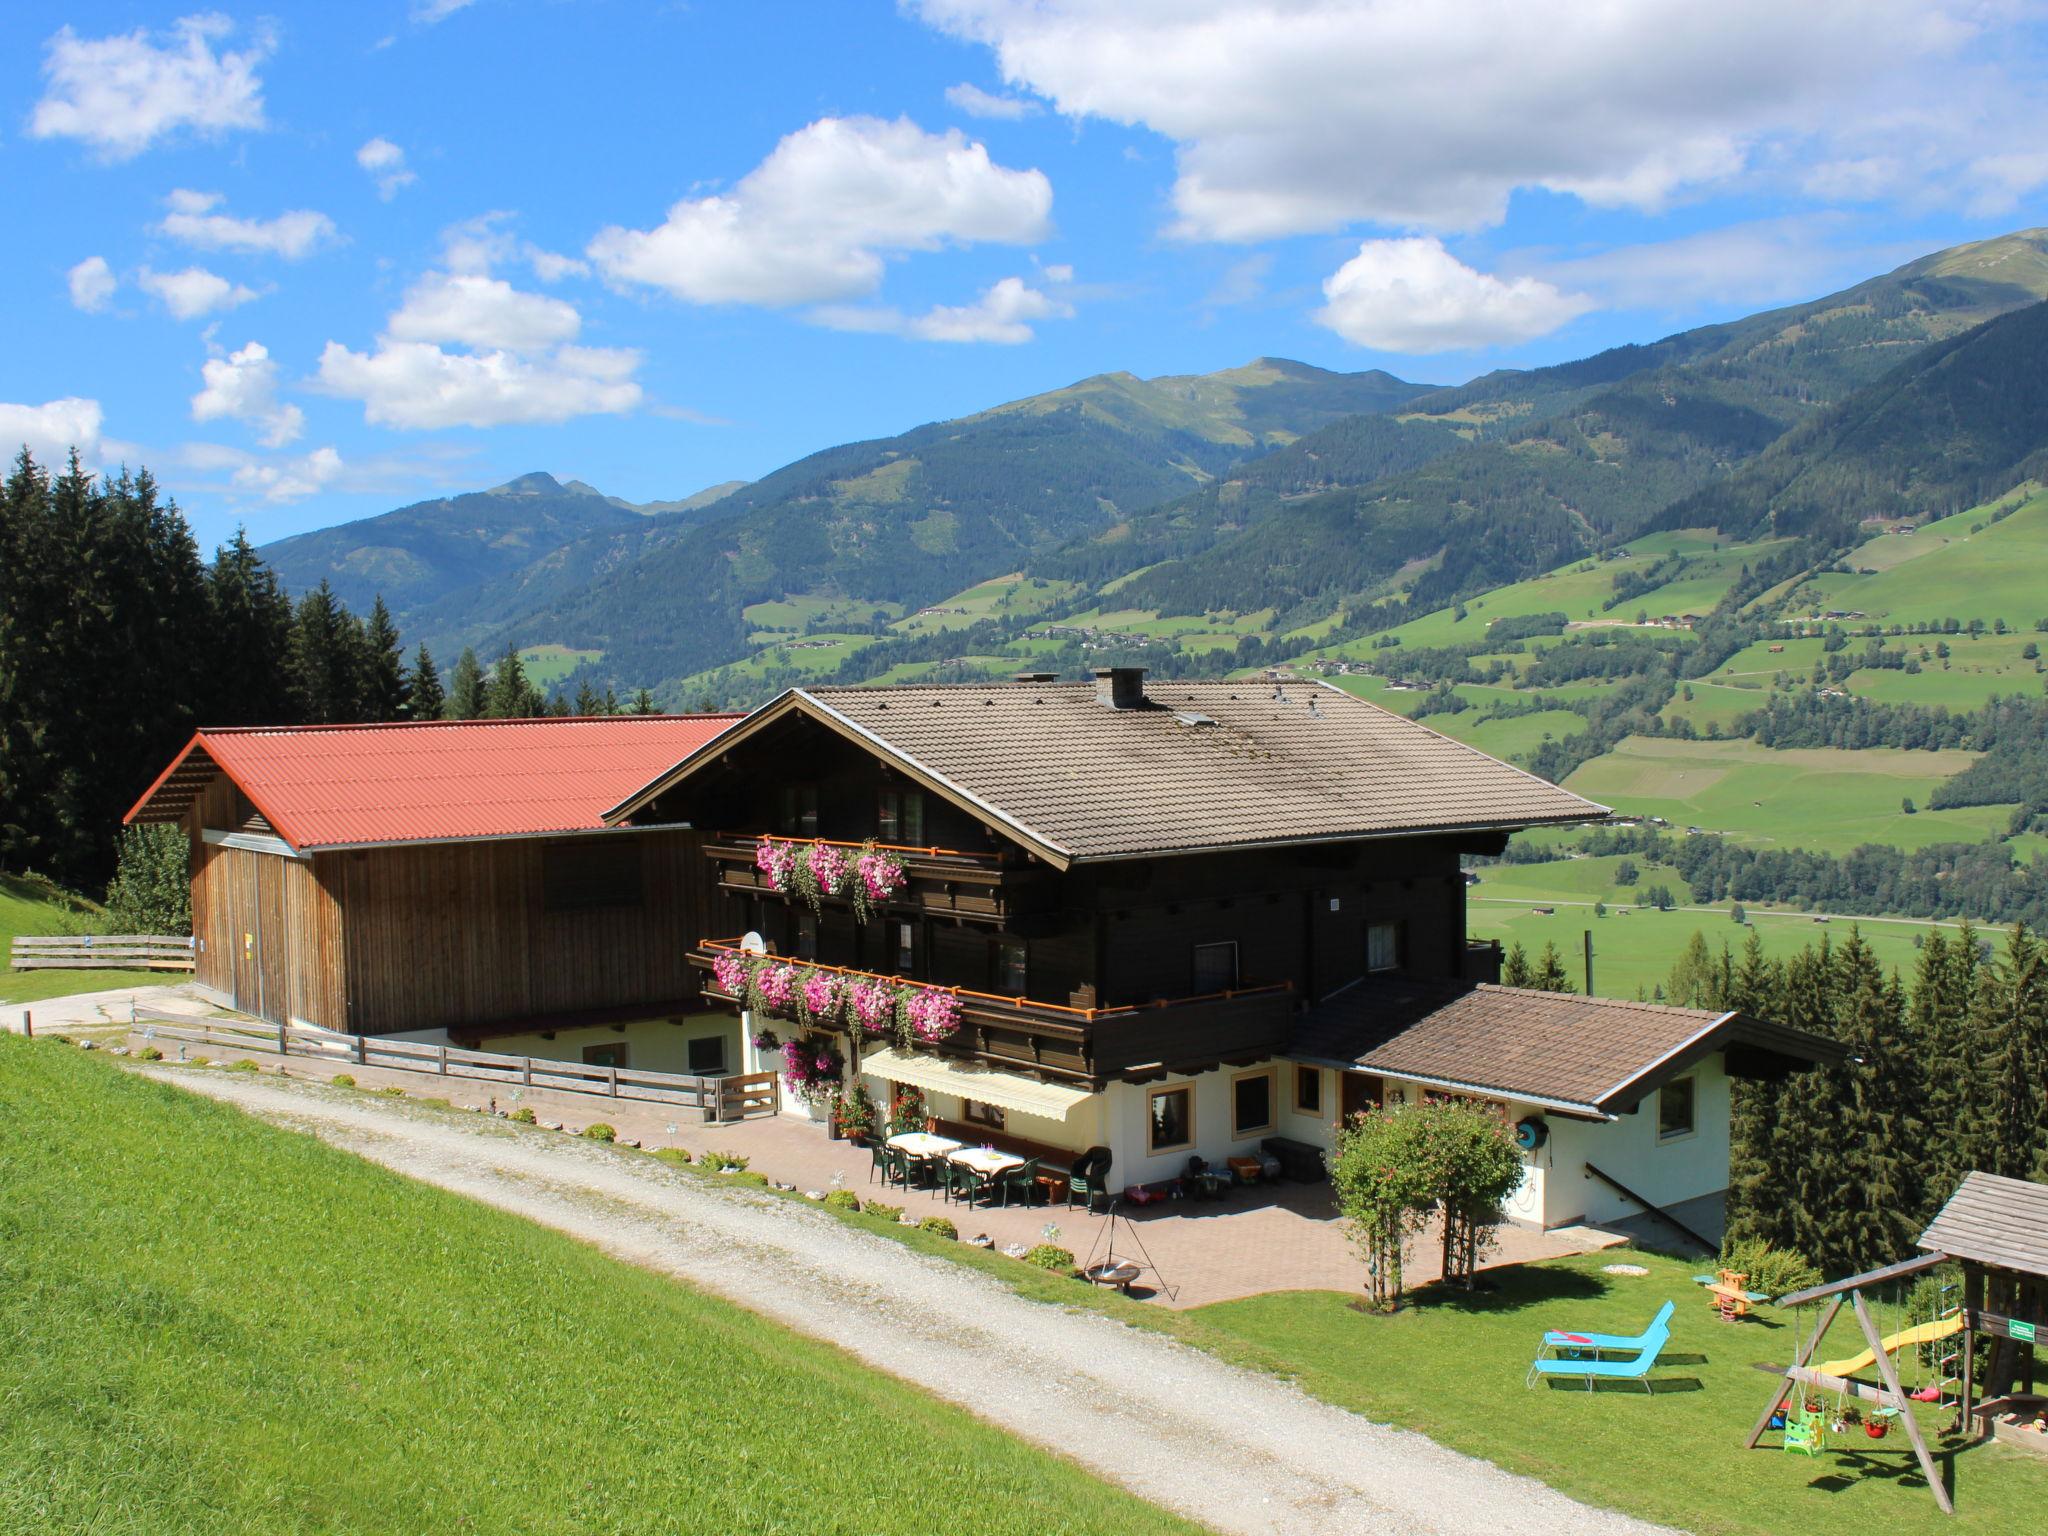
192 221
976 102
243 386
1290 116
385 163
51 430
294 479
1002 314
813 222
478 244
486 312
427 12
193 293
551 267
1415 296
122 93
413 385
92 284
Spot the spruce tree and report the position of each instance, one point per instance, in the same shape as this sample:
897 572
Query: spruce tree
1871 1116
250 633
511 696
1550 972
425 698
384 687
611 700
1514 970
1692 974
325 659
643 703
587 701
466 697
2011 1037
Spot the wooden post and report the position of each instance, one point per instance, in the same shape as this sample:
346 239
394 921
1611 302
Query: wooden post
1805 1351
362 1050
28 1025
612 1080
1903 1403
1589 962
526 1071
1973 1303
284 1047
441 1062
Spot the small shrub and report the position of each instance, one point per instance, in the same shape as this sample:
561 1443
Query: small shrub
149 1053
843 1200
391 1093
731 1162
522 1116
675 1157
342 1080
197 1061
437 1103
597 1130
1050 1256
886 1212
1773 1271
938 1226
244 1065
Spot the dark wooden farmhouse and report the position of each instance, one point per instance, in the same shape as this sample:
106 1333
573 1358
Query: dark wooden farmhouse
451 881
1190 919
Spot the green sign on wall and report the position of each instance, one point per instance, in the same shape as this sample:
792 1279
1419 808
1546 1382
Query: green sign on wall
2024 1332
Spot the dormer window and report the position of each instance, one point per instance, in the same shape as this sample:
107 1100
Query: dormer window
899 817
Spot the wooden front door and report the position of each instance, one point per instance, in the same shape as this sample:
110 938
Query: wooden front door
1362 1091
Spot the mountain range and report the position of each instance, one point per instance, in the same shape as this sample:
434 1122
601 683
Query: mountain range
1276 489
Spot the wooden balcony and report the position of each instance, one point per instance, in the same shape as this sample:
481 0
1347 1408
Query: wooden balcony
973 887
1089 1047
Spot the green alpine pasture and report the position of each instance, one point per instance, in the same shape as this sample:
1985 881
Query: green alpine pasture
214 1325
1961 567
547 665
32 907
1452 1366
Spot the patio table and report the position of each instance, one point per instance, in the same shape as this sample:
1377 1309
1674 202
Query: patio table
923 1144
985 1160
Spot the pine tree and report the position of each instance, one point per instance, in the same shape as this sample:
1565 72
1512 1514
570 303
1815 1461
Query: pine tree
511 696
643 703
559 709
2011 1037
250 623
466 696
587 701
425 698
1692 974
384 686
1514 971
1550 973
1873 1123
611 700
325 659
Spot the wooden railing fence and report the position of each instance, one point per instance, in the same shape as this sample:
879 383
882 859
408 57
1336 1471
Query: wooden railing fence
734 1097
101 951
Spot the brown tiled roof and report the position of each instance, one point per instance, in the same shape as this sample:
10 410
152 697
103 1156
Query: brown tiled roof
1595 1055
1203 765
1992 1220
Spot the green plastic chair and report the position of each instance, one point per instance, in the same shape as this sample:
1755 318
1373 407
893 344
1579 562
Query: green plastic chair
1089 1176
1023 1180
1806 1432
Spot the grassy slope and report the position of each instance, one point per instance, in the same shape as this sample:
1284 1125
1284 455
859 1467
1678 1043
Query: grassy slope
1454 1366
32 907
1944 570
230 1327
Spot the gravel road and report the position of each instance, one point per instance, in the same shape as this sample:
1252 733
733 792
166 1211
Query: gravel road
1230 1448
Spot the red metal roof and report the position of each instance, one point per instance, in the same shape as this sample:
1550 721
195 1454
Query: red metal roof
328 785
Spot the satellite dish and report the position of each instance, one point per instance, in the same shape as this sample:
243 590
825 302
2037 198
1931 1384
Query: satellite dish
753 944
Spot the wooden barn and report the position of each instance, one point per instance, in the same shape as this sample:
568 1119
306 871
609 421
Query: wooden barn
451 881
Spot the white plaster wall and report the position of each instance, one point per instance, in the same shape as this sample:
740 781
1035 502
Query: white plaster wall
1668 1173
1126 1125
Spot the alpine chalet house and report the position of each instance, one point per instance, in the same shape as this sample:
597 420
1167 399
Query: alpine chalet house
1199 919
451 881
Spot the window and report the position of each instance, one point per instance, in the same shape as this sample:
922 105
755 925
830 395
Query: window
800 810
1675 1109
899 817
1382 946
906 949
977 1113
1308 1090
707 1055
1251 1104
609 1055
1170 1113
807 935
591 873
1215 967
1008 971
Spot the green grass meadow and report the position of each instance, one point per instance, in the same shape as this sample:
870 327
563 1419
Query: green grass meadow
214 1325
30 907
1453 1367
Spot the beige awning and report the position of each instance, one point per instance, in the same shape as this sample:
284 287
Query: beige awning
1007 1090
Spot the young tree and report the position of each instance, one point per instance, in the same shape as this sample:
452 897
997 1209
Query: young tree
1550 973
425 698
511 696
466 695
1626 873
1514 971
384 688
587 701
152 887
643 704
1692 974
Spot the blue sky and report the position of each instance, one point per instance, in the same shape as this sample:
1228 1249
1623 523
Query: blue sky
314 262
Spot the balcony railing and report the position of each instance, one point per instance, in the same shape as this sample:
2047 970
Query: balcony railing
978 887
1083 1045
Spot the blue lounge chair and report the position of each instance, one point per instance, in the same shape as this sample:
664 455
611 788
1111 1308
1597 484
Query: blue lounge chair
1617 1343
1636 1368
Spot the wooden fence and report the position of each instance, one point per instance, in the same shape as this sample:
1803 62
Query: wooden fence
719 1099
102 952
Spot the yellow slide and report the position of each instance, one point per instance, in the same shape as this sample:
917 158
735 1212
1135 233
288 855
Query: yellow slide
1920 1333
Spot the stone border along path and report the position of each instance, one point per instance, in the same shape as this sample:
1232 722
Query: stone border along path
1231 1448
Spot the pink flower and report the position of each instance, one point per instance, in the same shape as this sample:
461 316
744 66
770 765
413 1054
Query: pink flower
777 984
729 971
880 875
775 860
934 1015
828 867
873 1002
821 995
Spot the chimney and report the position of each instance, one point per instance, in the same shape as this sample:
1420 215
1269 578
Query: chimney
1120 687
1035 677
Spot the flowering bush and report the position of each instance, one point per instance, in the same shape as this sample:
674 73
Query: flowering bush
819 995
731 971
776 987
877 877
776 860
932 1015
872 1004
811 1069
766 1040
828 868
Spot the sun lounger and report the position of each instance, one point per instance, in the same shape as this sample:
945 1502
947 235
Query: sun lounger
1560 1338
1636 1368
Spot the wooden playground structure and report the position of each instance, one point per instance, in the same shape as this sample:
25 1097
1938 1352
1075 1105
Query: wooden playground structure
1997 1230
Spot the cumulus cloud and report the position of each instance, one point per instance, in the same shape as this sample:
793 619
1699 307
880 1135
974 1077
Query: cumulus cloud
92 284
478 311
243 387
1414 296
414 385
292 479
193 293
1289 116
1003 314
976 102
551 267
193 221
51 430
384 161
121 94
814 221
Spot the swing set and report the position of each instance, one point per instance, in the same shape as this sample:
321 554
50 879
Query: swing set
1815 1401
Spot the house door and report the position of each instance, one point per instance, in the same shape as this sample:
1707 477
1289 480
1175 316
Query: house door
1362 1091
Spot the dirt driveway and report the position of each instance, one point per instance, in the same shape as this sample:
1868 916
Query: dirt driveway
1236 1450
